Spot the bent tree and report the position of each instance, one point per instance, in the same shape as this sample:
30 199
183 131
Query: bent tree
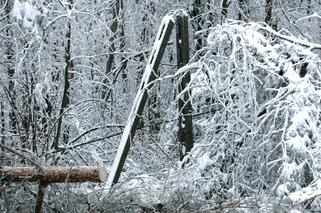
260 128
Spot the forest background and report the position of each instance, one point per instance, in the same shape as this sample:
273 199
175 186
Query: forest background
69 72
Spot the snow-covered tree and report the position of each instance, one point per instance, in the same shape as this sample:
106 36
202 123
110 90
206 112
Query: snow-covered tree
257 96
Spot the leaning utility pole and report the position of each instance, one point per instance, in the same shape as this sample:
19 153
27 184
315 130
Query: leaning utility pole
140 100
151 71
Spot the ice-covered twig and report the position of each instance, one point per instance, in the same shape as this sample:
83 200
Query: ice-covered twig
314 15
311 46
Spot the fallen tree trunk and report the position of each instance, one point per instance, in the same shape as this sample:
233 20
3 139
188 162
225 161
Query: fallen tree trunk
53 174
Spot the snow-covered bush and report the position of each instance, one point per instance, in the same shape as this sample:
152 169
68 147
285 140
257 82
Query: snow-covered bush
257 95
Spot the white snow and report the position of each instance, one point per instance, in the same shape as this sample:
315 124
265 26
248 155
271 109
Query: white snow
42 88
204 161
289 169
151 189
295 211
25 12
282 190
306 193
297 144
301 118
17 7
291 74
38 95
95 155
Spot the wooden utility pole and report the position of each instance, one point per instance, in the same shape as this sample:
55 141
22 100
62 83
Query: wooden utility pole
185 124
149 76
185 133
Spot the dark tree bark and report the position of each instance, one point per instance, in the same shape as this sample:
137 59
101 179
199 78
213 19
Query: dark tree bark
309 7
243 10
2 120
112 47
152 102
68 75
270 17
9 53
185 124
149 10
122 45
224 9
40 195
196 23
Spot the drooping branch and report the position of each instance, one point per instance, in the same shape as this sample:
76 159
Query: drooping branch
53 174
301 42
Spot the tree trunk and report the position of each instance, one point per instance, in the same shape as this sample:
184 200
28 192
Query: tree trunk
122 45
243 10
152 102
9 53
111 49
2 127
270 16
196 23
225 5
53 174
66 93
40 195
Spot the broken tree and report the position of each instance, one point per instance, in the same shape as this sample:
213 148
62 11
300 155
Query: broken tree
53 174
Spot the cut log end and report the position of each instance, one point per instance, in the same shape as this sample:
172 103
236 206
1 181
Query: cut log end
54 174
103 174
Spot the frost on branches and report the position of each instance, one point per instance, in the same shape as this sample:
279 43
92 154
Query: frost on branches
257 99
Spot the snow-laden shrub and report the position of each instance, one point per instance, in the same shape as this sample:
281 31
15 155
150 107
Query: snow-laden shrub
257 99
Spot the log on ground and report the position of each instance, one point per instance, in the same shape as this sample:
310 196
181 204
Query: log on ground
54 174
